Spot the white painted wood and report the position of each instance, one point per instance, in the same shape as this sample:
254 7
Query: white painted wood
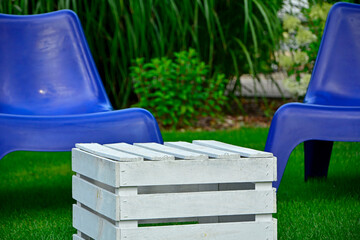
140 151
208 187
263 186
77 237
266 187
150 173
98 228
178 153
96 198
173 205
93 225
109 206
106 152
211 152
123 193
244 152
97 183
101 169
221 231
263 217
275 169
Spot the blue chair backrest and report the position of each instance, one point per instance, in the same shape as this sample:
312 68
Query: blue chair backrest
336 75
46 67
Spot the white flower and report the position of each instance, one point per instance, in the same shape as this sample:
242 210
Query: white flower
304 37
290 23
301 57
285 61
297 88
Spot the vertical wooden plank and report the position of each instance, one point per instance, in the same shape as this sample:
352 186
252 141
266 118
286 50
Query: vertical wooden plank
275 229
265 217
126 191
77 237
275 169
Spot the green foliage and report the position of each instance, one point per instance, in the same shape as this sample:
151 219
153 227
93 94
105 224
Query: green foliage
303 39
233 37
178 90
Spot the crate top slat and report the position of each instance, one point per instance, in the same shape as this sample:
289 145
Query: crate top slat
178 153
143 152
211 152
106 152
244 152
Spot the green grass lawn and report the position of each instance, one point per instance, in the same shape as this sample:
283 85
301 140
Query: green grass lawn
36 203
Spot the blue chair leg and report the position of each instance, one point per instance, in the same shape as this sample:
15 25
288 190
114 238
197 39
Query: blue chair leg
317 158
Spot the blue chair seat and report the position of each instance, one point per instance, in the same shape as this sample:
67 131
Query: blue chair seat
51 95
331 108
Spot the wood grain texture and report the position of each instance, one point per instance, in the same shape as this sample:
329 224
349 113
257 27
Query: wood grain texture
244 152
181 172
99 168
230 194
178 153
97 228
140 151
96 198
106 152
211 152
93 225
178 205
220 231
77 237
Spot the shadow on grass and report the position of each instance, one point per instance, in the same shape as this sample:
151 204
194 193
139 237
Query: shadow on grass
30 197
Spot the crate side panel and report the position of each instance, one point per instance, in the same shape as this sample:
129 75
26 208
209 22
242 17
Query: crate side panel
95 198
95 167
197 204
93 225
220 231
196 171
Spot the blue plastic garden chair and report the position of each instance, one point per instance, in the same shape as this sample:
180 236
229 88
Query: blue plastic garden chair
51 95
331 109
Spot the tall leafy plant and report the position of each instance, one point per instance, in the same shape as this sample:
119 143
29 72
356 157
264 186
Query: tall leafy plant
232 36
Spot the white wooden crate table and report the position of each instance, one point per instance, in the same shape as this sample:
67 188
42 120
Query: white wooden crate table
212 190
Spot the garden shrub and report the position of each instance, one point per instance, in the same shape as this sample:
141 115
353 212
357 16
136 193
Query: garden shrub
178 90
